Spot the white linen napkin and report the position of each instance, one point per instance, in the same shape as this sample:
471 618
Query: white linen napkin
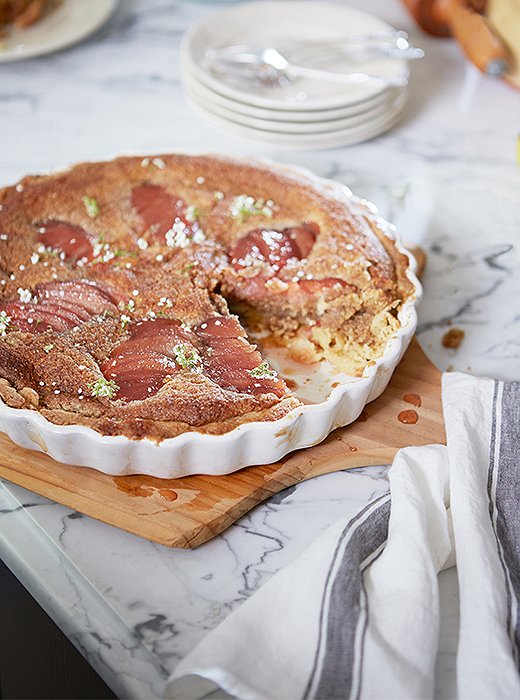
357 614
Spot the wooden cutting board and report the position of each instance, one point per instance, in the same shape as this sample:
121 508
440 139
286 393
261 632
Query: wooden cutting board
188 511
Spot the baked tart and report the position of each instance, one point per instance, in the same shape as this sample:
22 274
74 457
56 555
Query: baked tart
130 290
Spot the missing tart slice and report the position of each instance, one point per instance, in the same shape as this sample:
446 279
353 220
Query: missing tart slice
319 296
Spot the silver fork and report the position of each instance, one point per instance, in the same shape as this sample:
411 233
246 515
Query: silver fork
355 47
269 67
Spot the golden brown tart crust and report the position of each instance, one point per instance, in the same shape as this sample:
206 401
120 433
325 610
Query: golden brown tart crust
172 242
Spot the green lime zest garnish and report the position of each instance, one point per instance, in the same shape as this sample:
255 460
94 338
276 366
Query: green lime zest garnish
103 387
91 206
5 322
244 206
186 358
263 371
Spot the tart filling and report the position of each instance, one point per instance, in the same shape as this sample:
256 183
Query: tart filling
119 283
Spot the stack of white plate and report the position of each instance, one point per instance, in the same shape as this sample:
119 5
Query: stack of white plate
302 113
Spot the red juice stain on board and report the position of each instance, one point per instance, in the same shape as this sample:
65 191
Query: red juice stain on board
409 417
143 487
414 399
168 494
132 486
350 447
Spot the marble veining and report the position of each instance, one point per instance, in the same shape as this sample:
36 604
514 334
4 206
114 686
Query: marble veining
446 175
165 599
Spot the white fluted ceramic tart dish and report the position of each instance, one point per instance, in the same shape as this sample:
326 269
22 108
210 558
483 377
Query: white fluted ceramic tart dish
172 314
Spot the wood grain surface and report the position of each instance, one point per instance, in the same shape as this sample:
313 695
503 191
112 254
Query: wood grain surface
188 511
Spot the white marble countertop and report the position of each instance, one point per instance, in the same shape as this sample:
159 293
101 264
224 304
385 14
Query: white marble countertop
447 175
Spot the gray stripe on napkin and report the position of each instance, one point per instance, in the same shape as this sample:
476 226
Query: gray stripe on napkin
338 659
504 495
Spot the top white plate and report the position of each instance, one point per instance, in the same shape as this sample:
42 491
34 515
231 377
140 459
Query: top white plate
69 23
278 23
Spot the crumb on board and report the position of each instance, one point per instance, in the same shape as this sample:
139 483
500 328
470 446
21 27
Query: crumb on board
453 338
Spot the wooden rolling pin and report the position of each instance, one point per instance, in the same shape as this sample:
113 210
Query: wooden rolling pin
462 19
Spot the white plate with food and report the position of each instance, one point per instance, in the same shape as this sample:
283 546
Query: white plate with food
60 24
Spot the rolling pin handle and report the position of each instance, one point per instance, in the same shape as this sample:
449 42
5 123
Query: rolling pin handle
471 29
